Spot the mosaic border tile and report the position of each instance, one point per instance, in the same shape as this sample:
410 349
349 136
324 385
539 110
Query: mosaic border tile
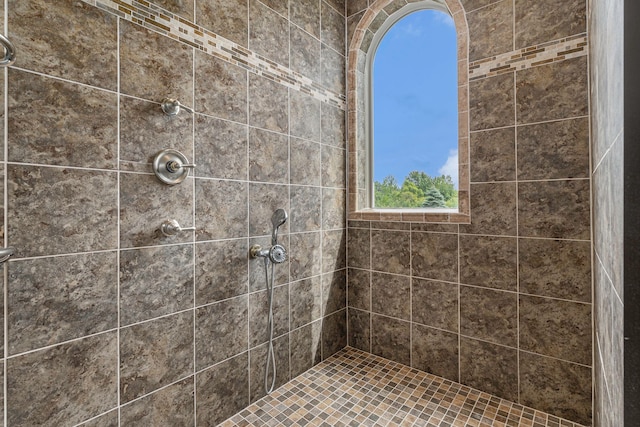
529 57
354 388
171 25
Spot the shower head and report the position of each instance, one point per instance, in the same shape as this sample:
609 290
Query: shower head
278 218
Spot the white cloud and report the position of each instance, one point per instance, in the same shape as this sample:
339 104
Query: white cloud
450 167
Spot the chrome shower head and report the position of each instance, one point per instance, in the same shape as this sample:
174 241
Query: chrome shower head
278 218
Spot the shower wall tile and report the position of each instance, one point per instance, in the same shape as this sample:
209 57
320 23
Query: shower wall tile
494 155
222 390
490 30
306 301
333 207
48 123
264 199
220 149
268 33
334 333
51 300
142 210
359 247
221 209
155 354
258 363
256 266
280 6
489 315
305 120
146 71
494 210
80 205
220 331
86 51
333 70
170 406
391 338
360 329
220 88
390 251
489 367
489 261
305 162
332 28
548 20
391 295
305 255
110 419
435 351
359 288
334 255
268 104
333 167
333 126
306 212
434 256
306 15
491 102
305 53
184 8
228 18
334 292
72 383
552 92
554 150
258 315
355 6
306 347
435 304
221 270
268 156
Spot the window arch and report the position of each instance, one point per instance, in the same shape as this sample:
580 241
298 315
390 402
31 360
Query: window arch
371 30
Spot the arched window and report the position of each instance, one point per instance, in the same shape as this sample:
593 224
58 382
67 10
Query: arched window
408 142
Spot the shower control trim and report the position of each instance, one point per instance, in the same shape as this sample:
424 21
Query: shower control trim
171 107
277 254
171 166
171 227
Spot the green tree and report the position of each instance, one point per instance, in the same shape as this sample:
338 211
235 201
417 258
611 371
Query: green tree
387 193
434 199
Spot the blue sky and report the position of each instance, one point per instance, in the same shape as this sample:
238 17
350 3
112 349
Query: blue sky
415 98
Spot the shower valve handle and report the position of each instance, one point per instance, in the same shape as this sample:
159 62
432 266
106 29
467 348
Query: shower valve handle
171 228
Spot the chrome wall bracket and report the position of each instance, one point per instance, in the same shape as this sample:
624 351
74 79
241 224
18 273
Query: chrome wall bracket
171 166
171 107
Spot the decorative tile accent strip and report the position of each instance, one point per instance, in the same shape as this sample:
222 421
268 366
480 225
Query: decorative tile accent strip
358 388
166 23
529 57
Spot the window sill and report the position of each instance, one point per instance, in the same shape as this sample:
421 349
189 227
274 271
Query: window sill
449 216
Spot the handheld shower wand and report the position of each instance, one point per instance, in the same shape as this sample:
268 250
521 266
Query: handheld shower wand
278 218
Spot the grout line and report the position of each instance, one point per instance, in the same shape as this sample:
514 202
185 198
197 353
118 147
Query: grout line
515 143
194 234
5 210
118 224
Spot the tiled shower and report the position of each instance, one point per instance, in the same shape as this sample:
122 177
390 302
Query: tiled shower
108 322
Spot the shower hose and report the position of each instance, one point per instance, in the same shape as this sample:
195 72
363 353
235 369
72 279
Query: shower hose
271 358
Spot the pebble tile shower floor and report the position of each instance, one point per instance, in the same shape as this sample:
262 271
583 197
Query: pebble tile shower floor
354 388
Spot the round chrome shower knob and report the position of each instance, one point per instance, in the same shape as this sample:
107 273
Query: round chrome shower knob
277 254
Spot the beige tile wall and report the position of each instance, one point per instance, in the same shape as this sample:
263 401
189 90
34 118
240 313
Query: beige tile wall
503 304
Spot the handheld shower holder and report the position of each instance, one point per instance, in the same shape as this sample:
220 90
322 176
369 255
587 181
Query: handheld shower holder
277 254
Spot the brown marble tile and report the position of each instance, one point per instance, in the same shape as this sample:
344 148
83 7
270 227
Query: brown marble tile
490 30
359 289
560 329
280 6
155 282
434 256
554 91
359 248
489 315
258 362
221 270
221 149
86 51
221 209
306 208
110 419
493 155
306 347
435 351
490 262
305 117
333 167
493 210
306 301
360 329
51 300
491 102
560 388
229 18
332 28
184 8
170 406
222 390
142 210
470 5
390 338
489 367
305 254
555 268
333 126
264 199
305 53
220 88
355 6
306 14
391 295
76 210
48 123
305 162
334 292
147 72
333 250
333 70
145 130
63 385
155 354
227 322
352 23
258 315
268 156
554 150
339 5
554 209
334 333
268 33
435 304
268 104
390 251
547 20
333 209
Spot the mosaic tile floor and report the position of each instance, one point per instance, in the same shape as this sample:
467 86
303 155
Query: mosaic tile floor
354 388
